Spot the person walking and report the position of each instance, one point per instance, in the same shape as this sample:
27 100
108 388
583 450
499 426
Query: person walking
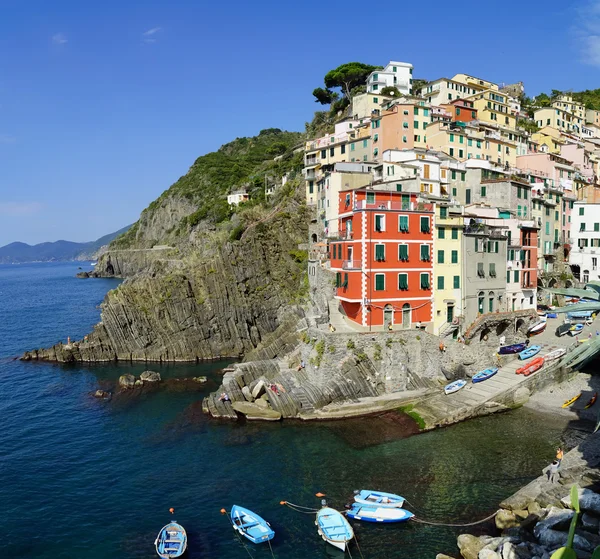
559 455
553 473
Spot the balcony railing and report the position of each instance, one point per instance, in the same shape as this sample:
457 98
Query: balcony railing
396 206
528 285
344 235
351 265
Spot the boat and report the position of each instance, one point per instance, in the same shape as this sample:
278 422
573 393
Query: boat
529 352
575 329
514 348
591 401
571 401
563 329
555 354
455 386
171 541
541 313
485 374
537 328
373 513
250 525
93 263
334 528
552 315
531 367
379 498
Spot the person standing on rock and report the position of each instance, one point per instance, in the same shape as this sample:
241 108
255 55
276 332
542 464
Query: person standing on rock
553 474
559 455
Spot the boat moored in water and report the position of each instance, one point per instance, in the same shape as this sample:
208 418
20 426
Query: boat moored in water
378 498
374 513
334 528
171 541
251 525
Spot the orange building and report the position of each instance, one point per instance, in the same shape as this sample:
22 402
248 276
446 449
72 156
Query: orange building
461 110
383 258
402 126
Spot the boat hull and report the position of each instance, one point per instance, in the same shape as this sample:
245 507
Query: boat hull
171 541
334 528
378 514
531 367
379 498
484 375
454 386
591 401
530 352
537 329
556 354
510 349
571 401
250 525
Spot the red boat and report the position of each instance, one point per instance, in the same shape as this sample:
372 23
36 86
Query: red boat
531 367
592 401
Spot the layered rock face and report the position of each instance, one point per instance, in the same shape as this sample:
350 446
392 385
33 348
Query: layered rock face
210 298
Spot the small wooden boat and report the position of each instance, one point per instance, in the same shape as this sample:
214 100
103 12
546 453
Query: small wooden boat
591 401
334 528
171 541
250 525
537 328
555 354
455 386
571 401
378 498
575 329
529 352
563 329
370 513
484 375
531 367
514 348
552 315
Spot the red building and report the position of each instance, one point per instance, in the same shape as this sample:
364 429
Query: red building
461 110
383 258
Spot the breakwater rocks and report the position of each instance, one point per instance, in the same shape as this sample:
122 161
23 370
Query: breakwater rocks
534 522
319 375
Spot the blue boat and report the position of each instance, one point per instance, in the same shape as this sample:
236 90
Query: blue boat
334 528
484 375
514 348
575 329
529 352
552 315
171 541
373 513
379 498
250 525
455 386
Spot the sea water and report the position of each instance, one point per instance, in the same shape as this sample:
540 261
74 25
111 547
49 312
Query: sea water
86 478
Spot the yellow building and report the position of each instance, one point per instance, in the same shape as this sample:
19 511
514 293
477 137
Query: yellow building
566 103
475 83
549 137
447 269
559 119
493 107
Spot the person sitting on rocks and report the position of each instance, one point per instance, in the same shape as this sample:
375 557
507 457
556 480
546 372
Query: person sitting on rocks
559 455
274 388
301 366
224 397
331 327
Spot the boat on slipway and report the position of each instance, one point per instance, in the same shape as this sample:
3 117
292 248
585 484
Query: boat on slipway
455 386
171 541
537 328
378 498
591 401
575 329
514 348
531 367
555 354
529 352
484 375
334 528
563 329
250 525
373 513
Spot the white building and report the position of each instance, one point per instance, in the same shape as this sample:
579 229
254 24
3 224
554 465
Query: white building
585 243
235 198
395 74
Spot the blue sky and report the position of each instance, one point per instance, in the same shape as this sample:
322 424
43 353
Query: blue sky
103 105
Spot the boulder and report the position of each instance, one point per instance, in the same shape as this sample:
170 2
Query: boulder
535 509
442 556
557 519
83 275
509 551
469 546
521 396
553 539
102 394
258 389
200 380
150 376
506 519
127 381
589 522
589 501
247 394
488 554
262 403
254 411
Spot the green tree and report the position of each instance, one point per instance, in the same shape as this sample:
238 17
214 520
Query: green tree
528 125
391 91
348 76
418 85
324 96
542 100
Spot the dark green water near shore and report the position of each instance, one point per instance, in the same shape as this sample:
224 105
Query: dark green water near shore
93 479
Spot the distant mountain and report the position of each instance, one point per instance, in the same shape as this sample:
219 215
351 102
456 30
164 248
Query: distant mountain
19 253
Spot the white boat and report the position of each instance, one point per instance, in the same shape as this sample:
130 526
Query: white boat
334 528
455 386
93 263
378 514
378 498
555 354
537 328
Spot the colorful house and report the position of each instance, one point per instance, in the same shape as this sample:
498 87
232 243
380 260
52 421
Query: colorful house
383 259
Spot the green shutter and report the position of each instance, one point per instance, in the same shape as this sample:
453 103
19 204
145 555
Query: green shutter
440 282
455 233
443 212
440 257
516 275
424 281
378 223
425 225
508 277
456 282
338 279
403 281
370 197
425 253
483 191
379 282
441 233
380 253
404 223
492 269
403 253
345 284
455 257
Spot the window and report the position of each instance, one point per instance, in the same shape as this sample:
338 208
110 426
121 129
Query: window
455 233
398 187
425 253
483 191
556 219
492 269
461 139
375 123
451 150
581 211
343 148
440 257
508 277
370 197
518 192
582 227
323 154
425 225
457 111
311 186
440 282
547 228
375 137
451 137
404 139
345 284
470 142
379 282
416 110
403 223
424 281
365 143
480 271
461 153
375 100
443 213
491 304
379 222
403 282
516 276
376 153
338 279
441 233
456 283
403 253
416 124
473 114
352 146
332 151
453 175
596 226
454 257
380 253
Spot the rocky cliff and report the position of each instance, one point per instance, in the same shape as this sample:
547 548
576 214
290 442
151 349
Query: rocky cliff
203 280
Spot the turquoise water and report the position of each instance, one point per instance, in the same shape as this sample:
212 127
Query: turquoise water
94 479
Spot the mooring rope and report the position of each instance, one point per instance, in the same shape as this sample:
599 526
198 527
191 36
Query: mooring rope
419 520
297 508
272 554
240 538
358 547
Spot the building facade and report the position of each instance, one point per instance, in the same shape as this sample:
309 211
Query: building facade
395 74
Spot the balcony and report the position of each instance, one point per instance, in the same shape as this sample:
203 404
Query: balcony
394 206
527 285
344 235
351 265
484 230
311 162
